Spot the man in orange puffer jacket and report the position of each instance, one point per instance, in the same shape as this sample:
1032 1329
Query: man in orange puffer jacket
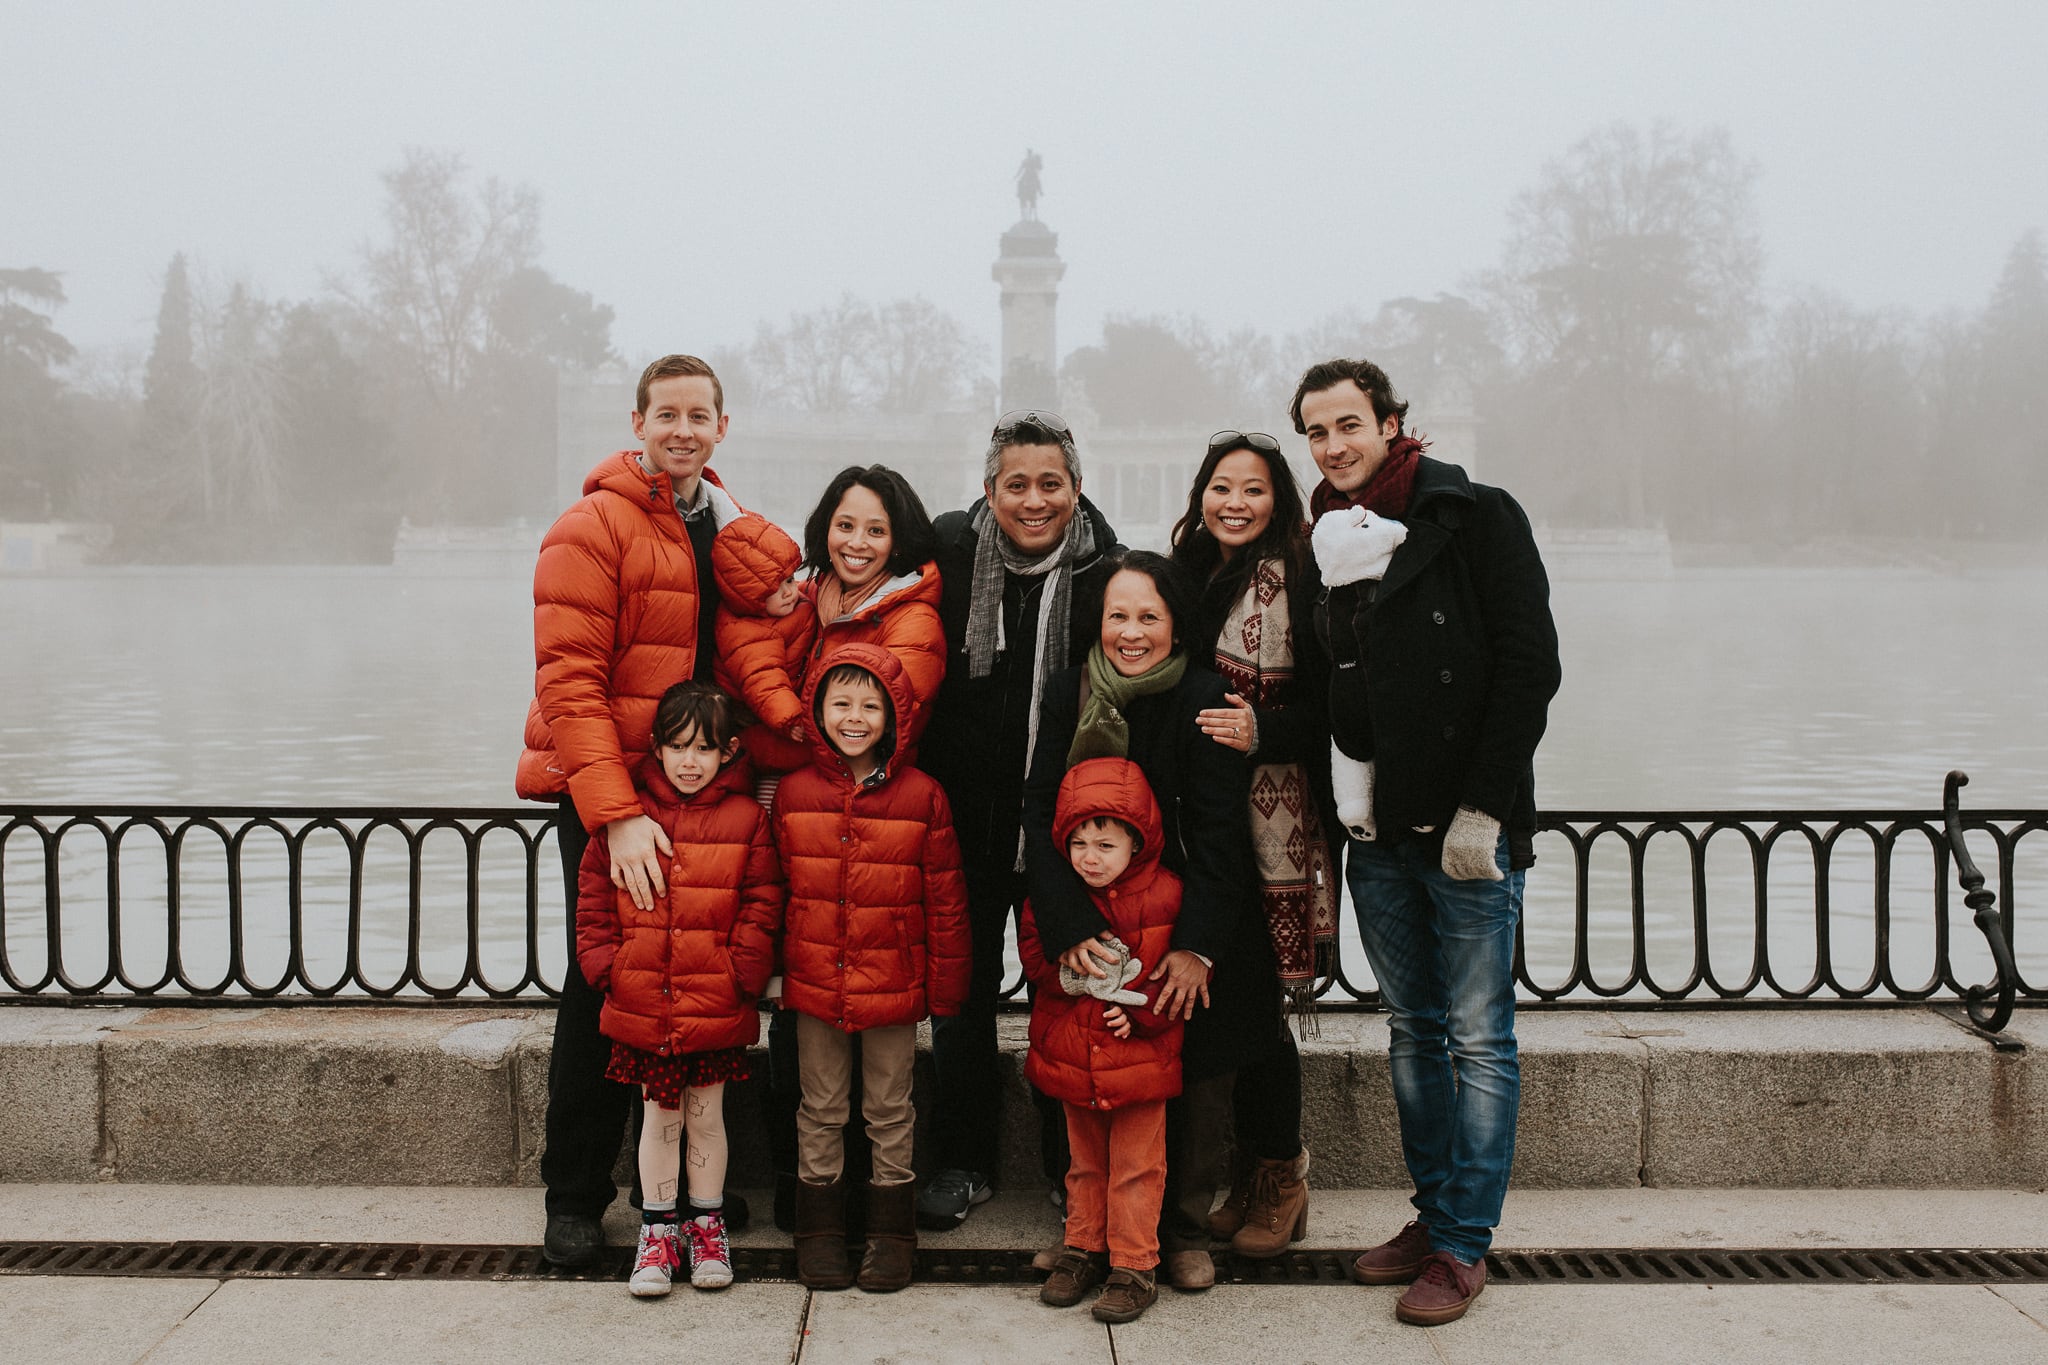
623 603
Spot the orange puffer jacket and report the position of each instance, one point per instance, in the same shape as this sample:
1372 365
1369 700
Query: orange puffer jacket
682 976
876 932
615 599
1074 1057
903 618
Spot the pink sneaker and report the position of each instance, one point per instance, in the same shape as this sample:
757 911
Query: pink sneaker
655 1263
710 1252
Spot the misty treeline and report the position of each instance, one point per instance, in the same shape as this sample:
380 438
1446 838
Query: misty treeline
1626 362
420 384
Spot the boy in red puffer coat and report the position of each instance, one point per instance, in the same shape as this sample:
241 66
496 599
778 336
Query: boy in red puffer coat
679 980
876 939
1098 1047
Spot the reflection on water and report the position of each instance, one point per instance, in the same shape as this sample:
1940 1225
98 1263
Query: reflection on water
1707 690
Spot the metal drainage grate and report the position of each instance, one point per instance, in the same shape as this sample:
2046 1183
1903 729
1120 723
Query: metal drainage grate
968 1266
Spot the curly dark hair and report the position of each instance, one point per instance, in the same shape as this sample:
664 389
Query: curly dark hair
1368 376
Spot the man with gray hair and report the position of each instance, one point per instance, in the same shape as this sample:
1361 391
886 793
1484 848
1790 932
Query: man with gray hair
1023 570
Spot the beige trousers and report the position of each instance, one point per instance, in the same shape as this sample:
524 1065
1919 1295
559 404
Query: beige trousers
824 1065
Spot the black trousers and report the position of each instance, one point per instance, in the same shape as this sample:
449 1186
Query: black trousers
967 1103
588 1116
1266 1101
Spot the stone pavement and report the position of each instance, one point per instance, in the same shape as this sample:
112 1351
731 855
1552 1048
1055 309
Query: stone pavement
225 1321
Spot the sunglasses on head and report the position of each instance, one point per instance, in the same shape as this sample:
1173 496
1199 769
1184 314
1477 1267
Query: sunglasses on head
1252 440
1009 423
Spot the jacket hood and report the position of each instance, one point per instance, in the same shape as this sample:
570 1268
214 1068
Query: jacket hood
1113 787
620 473
1437 479
749 559
653 781
919 585
880 662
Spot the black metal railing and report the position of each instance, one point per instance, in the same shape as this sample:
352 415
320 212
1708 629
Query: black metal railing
312 905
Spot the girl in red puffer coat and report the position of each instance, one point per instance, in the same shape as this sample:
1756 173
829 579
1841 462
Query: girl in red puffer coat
679 980
1097 1045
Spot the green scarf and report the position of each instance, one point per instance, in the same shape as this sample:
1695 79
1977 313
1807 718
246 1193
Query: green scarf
1103 731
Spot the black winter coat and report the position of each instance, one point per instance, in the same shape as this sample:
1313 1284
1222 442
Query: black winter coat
1204 790
974 744
1442 672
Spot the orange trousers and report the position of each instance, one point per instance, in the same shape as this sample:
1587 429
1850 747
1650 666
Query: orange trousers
1116 1180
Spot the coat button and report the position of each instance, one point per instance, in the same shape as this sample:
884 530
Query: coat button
1444 676
1450 732
1437 617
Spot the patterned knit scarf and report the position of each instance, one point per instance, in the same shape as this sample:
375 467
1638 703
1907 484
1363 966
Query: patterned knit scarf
1255 655
1386 492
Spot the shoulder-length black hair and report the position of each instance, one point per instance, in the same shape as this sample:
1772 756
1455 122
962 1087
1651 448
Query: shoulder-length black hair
1169 579
1285 536
910 525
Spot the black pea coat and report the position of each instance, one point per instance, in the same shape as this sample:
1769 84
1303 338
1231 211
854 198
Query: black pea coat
1442 671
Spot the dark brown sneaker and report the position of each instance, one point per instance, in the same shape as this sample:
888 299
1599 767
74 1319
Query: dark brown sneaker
1073 1275
1396 1261
1442 1292
1127 1296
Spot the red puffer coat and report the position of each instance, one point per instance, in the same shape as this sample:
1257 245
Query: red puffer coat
615 598
761 658
876 932
1074 1057
682 977
903 618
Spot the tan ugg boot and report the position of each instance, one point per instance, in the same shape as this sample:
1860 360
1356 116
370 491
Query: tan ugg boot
1277 1212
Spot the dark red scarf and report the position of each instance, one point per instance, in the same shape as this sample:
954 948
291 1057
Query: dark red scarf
1386 492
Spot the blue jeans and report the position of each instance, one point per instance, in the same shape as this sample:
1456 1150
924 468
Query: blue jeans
1444 953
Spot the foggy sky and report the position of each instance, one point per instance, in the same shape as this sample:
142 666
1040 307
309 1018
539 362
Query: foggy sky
703 166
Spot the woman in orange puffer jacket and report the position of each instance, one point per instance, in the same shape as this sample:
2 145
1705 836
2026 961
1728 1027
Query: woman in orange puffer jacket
679 980
875 940
1113 1063
869 545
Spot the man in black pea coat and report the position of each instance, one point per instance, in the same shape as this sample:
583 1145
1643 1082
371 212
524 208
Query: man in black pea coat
1022 573
1444 660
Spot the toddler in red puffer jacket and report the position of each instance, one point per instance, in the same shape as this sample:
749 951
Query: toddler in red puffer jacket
765 629
1098 1047
680 976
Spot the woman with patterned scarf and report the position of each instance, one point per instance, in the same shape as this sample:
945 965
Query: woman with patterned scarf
1244 542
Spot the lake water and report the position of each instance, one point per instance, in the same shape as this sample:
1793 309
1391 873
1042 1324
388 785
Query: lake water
1708 689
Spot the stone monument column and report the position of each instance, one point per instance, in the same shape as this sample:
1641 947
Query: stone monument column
1028 267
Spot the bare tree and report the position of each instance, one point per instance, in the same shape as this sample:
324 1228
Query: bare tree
241 419
1626 292
449 252
903 357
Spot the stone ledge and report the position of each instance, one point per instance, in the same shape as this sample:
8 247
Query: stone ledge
312 1096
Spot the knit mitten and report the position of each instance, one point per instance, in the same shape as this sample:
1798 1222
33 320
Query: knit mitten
1351 781
1469 846
1110 988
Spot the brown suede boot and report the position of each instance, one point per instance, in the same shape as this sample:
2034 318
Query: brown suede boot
1228 1217
892 1237
821 1260
1277 1212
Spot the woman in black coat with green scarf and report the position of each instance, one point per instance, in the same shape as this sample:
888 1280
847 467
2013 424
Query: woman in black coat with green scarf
1144 693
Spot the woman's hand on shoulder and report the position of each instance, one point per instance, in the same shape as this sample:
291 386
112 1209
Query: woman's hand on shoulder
1187 984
